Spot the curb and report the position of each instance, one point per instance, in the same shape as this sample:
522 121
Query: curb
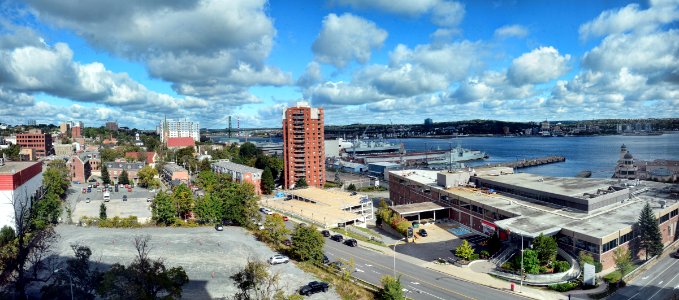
489 286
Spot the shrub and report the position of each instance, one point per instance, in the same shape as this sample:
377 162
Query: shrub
613 277
561 266
484 254
507 266
564 287
474 257
543 269
118 222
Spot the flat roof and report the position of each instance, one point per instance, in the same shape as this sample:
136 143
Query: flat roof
317 212
414 208
172 167
12 167
237 167
567 186
333 198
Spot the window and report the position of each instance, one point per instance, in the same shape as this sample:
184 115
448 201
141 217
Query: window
585 245
626 237
610 245
674 213
664 218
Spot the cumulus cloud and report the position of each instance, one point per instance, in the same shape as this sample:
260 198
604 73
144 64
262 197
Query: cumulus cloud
540 65
447 14
192 44
508 31
342 93
346 38
631 18
312 74
400 7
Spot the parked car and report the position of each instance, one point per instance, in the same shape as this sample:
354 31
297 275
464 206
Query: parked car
351 243
287 242
314 287
87 200
84 190
148 199
325 233
337 238
325 260
279 259
228 223
219 227
676 254
124 197
422 232
262 209
285 218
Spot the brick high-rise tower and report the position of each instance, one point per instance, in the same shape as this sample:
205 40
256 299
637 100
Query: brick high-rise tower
303 146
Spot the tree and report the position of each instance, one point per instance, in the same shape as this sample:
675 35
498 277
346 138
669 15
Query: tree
144 278
546 247
47 211
255 282
623 260
391 289
147 177
247 151
274 229
240 201
162 209
586 257
383 212
123 178
267 182
205 165
464 251
104 174
55 178
351 187
208 180
182 199
301 183
12 152
531 262
208 208
78 277
307 244
650 238
6 235
102 211
108 154
183 153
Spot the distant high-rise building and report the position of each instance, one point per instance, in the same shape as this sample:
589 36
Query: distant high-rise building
112 125
36 140
303 145
77 130
32 122
64 127
171 129
428 122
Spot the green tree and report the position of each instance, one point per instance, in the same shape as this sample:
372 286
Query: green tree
6 235
391 289
144 278
205 165
147 177
464 251
267 182
12 152
247 151
274 229
351 187
301 183
123 178
208 180
623 260
240 201
102 211
307 244
108 154
208 208
105 177
182 199
79 278
163 210
55 178
650 238
47 211
546 248
383 212
255 281
186 152
531 262
586 257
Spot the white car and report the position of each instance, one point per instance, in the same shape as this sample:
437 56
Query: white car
266 211
278 259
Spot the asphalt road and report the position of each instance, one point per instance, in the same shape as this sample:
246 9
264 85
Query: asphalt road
659 282
419 282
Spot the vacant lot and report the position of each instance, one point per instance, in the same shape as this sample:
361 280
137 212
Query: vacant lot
208 256
136 204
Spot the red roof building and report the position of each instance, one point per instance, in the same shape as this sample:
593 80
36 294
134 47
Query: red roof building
180 142
150 157
19 183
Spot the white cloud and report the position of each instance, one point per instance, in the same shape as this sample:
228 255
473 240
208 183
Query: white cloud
346 38
402 81
341 93
447 14
312 74
631 18
508 31
540 65
401 7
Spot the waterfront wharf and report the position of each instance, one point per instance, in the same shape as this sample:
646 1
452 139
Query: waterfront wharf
530 162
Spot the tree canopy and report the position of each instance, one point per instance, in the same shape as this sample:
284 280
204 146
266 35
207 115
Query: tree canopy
464 251
123 178
105 177
301 183
267 182
163 210
391 289
147 177
546 248
307 244
274 230
650 238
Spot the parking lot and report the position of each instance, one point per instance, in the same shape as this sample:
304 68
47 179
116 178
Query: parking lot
209 257
437 244
136 204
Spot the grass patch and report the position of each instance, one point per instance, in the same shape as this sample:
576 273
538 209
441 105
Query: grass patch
613 277
372 189
359 237
345 288
368 231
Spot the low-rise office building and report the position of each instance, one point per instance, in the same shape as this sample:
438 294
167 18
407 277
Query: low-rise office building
20 183
36 140
591 215
63 149
240 173
173 172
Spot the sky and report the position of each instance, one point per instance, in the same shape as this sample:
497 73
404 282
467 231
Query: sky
363 61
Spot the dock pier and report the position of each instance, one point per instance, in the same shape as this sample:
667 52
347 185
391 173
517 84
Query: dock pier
531 162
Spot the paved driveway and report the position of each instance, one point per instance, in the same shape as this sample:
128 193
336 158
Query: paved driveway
208 256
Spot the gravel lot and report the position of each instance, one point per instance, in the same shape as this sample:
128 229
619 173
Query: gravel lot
135 205
208 256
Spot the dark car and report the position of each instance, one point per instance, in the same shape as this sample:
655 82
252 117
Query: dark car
676 254
351 243
124 197
325 260
313 288
219 227
227 223
287 243
422 233
337 238
325 233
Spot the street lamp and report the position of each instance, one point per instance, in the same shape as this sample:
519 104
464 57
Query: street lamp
70 280
521 289
395 255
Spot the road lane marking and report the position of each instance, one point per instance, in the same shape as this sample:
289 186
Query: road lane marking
426 293
660 289
413 282
413 277
368 265
644 278
360 271
661 282
655 277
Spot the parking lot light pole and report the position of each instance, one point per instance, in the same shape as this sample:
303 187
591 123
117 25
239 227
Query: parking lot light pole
395 256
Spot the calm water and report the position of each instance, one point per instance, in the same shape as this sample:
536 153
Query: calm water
595 153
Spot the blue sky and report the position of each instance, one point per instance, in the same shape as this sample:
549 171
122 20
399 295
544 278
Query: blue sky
363 61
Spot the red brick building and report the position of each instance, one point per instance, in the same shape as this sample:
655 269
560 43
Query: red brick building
36 140
79 170
303 146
